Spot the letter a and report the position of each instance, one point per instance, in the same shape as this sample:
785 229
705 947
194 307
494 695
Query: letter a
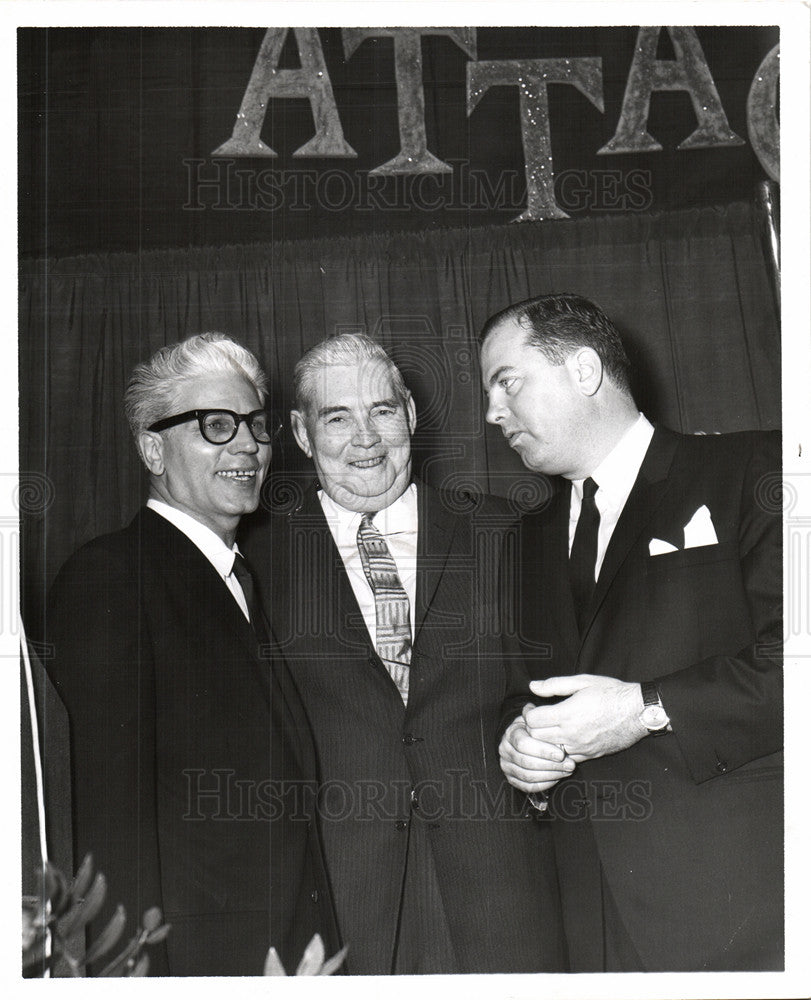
311 81
688 71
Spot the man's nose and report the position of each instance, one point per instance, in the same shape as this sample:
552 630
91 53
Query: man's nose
495 410
243 440
366 434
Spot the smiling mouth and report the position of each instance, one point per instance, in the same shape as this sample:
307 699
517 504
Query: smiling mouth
238 475
368 463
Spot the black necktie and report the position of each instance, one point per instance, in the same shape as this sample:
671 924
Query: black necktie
243 573
583 558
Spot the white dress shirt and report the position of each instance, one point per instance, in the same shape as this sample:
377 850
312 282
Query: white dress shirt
210 544
615 477
398 525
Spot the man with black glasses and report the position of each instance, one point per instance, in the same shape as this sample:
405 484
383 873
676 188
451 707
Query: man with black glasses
191 753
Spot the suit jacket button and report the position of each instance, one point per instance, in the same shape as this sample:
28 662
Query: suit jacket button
400 824
314 895
721 767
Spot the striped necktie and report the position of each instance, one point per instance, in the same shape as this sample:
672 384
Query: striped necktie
391 604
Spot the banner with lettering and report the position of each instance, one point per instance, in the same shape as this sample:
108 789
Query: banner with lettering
134 138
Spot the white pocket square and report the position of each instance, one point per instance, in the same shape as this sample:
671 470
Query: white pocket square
700 530
658 547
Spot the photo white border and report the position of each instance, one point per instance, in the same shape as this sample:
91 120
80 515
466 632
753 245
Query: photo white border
794 19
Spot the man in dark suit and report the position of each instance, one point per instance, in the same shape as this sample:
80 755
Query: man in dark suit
388 591
650 597
191 752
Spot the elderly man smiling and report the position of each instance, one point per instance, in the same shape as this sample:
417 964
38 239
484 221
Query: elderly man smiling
382 598
179 725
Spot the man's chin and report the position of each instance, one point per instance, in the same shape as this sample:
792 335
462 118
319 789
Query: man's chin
532 461
241 505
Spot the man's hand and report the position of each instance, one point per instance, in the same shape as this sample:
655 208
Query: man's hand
599 716
530 764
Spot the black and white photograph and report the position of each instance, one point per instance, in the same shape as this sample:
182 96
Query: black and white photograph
413 496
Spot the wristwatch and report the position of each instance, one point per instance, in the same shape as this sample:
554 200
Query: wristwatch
654 717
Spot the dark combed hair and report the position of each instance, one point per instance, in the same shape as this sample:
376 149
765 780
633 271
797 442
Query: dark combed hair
558 324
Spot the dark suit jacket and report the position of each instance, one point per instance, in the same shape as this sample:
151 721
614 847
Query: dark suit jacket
180 736
492 858
688 825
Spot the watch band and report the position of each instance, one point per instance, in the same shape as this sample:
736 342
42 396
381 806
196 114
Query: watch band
650 694
654 717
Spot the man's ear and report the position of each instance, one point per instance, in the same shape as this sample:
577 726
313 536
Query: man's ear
411 413
586 370
299 425
150 447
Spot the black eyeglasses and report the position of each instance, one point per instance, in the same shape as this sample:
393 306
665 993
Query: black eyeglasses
221 426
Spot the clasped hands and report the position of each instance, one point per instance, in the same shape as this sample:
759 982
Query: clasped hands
599 716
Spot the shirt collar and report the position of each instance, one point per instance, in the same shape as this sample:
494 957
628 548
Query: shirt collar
617 472
399 517
210 544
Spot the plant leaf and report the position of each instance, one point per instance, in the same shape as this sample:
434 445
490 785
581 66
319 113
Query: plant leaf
334 963
313 958
81 880
141 967
55 889
159 934
273 964
85 909
109 936
116 966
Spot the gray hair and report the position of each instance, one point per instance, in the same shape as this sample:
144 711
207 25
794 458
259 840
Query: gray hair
153 385
349 349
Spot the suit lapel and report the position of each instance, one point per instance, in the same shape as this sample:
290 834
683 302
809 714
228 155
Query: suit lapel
204 589
643 501
350 626
435 536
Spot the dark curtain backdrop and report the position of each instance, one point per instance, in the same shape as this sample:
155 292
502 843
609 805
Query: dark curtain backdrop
688 289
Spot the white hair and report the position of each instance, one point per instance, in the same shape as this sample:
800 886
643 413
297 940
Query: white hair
349 349
153 385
